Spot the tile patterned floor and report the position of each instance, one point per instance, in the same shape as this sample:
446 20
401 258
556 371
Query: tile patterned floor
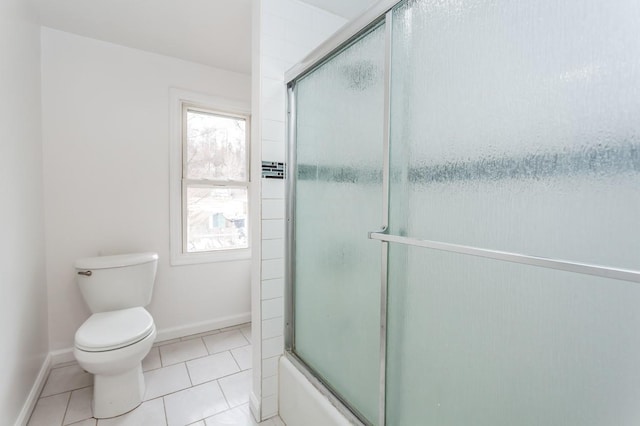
199 380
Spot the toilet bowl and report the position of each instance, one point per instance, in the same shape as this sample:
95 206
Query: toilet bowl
114 340
111 345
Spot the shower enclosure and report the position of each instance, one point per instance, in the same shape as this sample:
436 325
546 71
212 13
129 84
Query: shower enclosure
464 214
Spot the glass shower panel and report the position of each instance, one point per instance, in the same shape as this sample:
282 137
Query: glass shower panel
474 341
338 201
515 126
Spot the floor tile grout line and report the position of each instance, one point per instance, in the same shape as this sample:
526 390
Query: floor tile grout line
193 386
66 408
227 410
160 356
68 390
64 364
221 377
224 396
235 360
187 360
164 407
188 373
186 338
199 335
199 357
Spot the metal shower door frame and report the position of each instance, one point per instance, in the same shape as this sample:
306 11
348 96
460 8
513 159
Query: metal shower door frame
380 13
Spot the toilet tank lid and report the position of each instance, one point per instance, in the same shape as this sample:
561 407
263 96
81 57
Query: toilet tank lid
115 261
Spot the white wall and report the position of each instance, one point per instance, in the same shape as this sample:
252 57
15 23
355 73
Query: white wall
106 171
23 305
288 31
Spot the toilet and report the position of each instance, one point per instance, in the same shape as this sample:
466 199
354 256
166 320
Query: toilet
114 340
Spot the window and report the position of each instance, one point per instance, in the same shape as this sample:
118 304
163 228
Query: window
210 181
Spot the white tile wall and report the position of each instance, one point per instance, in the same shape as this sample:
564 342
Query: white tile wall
272 327
273 249
273 268
272 308
273 150
272 347
273 189
272 209
272 70
272 25
272 288
270 386
289 31
269 405
273 89
273 131
270 366
273 228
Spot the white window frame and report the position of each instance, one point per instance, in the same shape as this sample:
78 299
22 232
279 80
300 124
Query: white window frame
179 101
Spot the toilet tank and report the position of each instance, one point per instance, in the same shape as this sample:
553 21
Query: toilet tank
108 283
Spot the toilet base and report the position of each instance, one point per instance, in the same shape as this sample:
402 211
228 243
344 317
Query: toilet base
118 394
118 383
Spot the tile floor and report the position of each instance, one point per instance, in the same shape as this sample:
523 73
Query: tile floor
200 380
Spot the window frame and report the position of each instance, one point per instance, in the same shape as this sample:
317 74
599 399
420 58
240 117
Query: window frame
181 102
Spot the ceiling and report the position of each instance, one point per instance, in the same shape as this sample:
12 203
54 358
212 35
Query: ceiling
346 8
211 32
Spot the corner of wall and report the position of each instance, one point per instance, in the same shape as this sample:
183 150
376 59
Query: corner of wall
256 198
34 393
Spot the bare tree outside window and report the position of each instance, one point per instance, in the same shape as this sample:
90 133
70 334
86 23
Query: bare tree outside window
215 181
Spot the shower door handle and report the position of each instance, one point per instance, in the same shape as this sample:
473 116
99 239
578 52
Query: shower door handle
382 231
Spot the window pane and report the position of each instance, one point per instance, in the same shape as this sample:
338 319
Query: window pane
215 147
216 218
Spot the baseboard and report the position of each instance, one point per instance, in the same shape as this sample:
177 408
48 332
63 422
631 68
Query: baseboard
61 356
32 398
254 406
201 327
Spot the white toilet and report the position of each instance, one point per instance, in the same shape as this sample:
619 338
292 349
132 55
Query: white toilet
113 341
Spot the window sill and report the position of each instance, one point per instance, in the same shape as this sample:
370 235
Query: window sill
180 259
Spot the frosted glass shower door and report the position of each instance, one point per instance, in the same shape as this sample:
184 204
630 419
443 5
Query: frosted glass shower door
514 127
338 200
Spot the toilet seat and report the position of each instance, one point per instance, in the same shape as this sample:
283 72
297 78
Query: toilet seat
107 331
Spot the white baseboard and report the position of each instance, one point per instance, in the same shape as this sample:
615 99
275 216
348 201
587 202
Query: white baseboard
201 327
32 398
62 356
254 406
